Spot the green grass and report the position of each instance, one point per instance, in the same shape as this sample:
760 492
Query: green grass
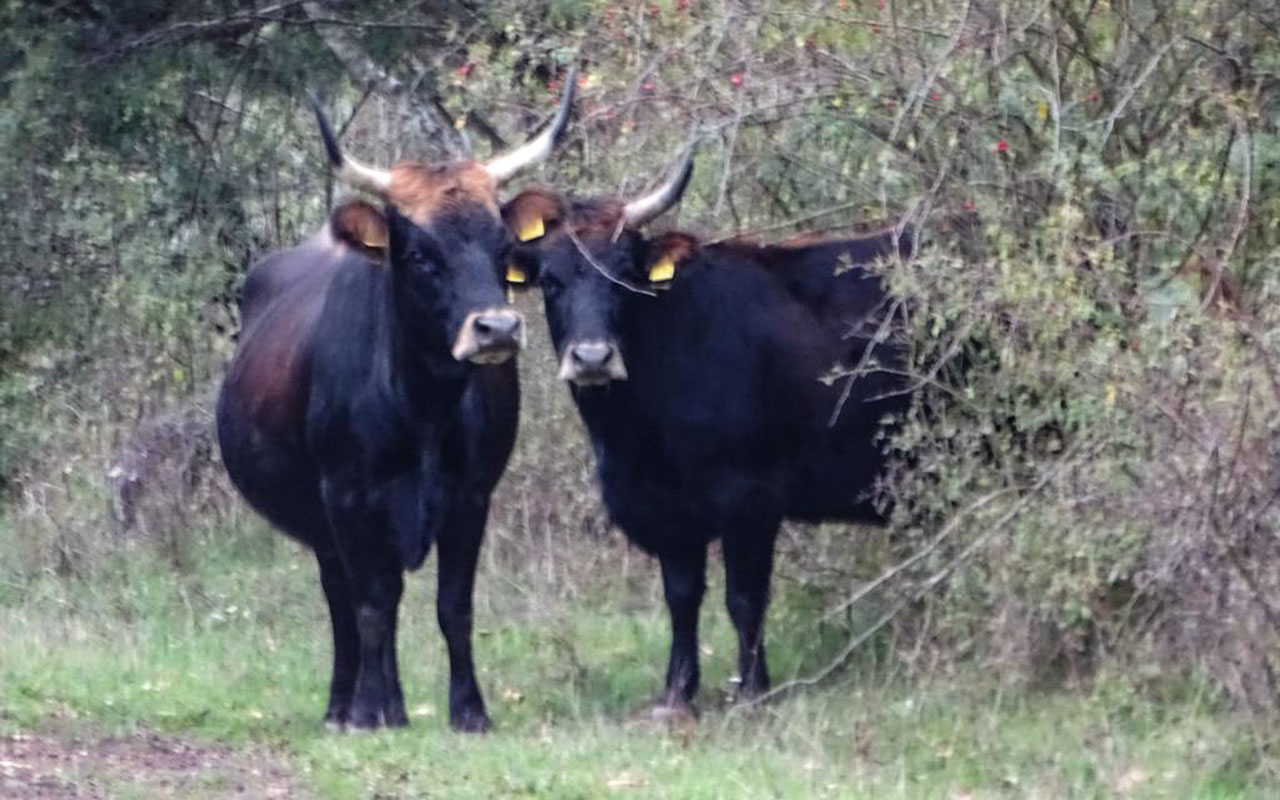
234 650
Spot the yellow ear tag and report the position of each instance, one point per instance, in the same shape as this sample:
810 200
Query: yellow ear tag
533 229
662 271
515 274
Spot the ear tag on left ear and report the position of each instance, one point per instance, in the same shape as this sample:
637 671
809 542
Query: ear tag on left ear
663 270
516 275
533 229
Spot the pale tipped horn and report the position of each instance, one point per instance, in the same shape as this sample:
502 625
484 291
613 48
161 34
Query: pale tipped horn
660 200
505 166
361 176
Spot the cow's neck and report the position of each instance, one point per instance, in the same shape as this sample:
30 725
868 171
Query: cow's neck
426 373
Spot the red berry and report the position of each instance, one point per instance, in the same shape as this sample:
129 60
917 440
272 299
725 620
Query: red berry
936 96
1002 146
736 79
647 86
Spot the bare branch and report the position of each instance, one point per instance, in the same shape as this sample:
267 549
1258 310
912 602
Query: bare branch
1132 89
368 74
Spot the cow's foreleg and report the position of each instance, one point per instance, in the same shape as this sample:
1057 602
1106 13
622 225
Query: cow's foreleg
683 582
346 640
394 713
375 581
748 565
459 550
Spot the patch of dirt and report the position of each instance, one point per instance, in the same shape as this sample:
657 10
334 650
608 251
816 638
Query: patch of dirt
43 765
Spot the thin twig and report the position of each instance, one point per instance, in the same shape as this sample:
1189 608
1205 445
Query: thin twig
951 527
881 334
931 583
1131 90
600 267
1242 212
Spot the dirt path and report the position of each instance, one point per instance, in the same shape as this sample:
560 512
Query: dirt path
47 765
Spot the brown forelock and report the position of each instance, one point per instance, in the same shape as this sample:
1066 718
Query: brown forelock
599 216
588 218
675 245
421 191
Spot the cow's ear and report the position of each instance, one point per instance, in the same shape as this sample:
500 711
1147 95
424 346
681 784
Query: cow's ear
665 254
532 213
362 226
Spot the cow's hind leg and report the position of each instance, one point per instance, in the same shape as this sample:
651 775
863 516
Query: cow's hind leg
459 550
748 565
684 582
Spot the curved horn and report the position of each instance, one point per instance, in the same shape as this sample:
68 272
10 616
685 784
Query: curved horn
505 166
361 176
660 200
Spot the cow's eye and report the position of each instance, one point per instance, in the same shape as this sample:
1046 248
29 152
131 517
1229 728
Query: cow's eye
551 285
424 260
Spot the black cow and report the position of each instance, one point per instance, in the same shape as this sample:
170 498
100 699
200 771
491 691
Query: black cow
696 369
371 407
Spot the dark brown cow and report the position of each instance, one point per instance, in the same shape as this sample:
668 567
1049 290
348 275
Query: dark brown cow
696 369
371 406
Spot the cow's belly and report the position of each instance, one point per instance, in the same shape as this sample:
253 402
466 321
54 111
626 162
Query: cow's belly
271 471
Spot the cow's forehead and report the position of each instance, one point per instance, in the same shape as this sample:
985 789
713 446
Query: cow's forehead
422 191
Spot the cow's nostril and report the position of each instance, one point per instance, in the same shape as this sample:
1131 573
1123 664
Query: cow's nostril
494 326
593 355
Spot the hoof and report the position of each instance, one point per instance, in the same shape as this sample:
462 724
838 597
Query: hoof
679 713
665 717
750 695
335 721
364 721
470 722
395 717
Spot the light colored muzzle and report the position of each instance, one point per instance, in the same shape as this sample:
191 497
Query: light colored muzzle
592 363
490 336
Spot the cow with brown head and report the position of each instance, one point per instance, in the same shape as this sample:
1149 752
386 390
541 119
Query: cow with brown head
371 405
